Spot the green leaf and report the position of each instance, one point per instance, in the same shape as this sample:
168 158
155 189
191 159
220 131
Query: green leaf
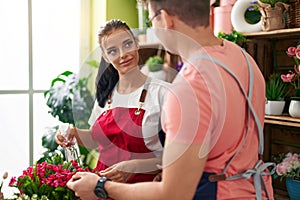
154 63
276 89
48 139
66 73
93 63
57 80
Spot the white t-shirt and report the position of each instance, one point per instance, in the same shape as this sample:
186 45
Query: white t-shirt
153 106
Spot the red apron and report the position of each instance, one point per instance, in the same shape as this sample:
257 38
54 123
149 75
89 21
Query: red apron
118 132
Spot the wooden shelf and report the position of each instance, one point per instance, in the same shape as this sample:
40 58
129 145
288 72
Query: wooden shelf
283 120
281 33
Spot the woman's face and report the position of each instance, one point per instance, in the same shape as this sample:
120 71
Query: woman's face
121 50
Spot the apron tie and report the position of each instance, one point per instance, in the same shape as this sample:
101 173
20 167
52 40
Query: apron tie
257 172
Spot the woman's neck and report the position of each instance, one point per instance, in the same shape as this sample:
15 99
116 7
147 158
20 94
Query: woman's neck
131 81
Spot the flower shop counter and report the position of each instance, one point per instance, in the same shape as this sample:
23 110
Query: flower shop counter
282 135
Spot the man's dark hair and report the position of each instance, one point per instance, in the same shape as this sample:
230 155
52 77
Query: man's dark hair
193 12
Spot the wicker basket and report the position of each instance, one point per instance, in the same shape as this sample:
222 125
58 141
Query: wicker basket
293 15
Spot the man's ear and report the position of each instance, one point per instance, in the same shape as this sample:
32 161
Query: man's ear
167 19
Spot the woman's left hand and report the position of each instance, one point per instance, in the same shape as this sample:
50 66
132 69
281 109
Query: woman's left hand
119 172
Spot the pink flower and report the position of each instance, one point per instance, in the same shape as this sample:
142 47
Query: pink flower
297 52
281 169
290 77
297 69
293 77
291 51
289 167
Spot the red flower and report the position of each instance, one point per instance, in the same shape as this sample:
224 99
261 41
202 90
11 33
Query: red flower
47 179
12 181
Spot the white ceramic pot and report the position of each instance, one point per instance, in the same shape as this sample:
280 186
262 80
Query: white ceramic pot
294 108
274 107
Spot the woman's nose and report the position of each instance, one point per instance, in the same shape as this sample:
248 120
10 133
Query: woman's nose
122 53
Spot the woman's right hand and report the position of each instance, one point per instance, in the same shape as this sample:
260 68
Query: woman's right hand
66 139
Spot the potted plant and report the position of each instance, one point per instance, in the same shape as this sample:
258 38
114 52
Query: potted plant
276 91
47 180
288 167
235 37
272 13
154 68
69 100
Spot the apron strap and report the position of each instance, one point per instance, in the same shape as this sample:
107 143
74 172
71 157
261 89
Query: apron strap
259 126
141 99
144 91
143 96
258 170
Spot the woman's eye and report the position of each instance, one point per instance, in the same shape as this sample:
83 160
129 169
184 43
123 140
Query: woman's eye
112 52
128 44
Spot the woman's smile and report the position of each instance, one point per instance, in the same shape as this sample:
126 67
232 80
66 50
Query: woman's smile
126 62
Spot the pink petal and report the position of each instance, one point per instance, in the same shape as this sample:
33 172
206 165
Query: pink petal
291 51
297 69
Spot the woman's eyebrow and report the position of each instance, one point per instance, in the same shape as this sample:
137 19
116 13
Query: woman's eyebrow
128 40
110 48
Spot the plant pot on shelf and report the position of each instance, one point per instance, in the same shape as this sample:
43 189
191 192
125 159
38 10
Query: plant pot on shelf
227 2
222 19
293 188
274 107
272 18
294 108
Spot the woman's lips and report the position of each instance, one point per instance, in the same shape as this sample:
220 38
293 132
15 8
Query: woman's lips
126 63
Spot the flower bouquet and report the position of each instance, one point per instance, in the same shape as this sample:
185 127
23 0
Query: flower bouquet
289 168
47 180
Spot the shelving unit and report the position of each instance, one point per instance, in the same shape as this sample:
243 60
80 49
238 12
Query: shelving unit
276 34
282 133
269 49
